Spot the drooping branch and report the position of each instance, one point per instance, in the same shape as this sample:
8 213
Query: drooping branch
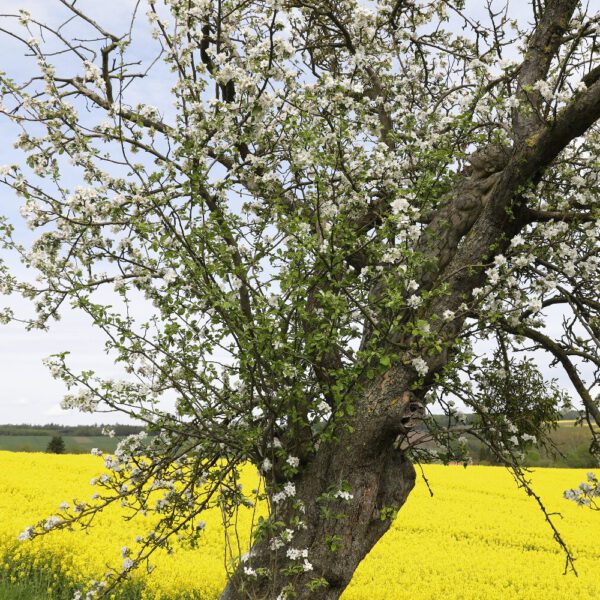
562 355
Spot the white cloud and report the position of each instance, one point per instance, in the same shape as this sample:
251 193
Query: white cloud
54 411
20 401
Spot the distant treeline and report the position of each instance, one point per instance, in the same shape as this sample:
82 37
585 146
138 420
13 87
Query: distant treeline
568 446
571 415
123 430
54 429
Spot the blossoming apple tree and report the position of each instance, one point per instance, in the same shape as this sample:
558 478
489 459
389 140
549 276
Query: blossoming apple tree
298 223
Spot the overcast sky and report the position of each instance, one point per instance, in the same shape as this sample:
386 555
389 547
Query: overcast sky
28 393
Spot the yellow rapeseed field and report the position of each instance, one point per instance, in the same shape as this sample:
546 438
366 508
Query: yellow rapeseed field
478 537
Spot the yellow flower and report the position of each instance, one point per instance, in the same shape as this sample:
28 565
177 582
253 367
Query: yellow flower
478 537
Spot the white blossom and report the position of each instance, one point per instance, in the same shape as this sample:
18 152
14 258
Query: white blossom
323 407
26 534
545 89
343 495
420 366
293 461
170 276
414 301
52 522
296 554
399 205
128 564
279 497
276 543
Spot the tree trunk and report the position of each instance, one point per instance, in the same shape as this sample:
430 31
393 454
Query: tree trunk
377 473
339 533
485 212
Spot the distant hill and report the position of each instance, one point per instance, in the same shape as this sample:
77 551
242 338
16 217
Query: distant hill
572 443
52 429
78 439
